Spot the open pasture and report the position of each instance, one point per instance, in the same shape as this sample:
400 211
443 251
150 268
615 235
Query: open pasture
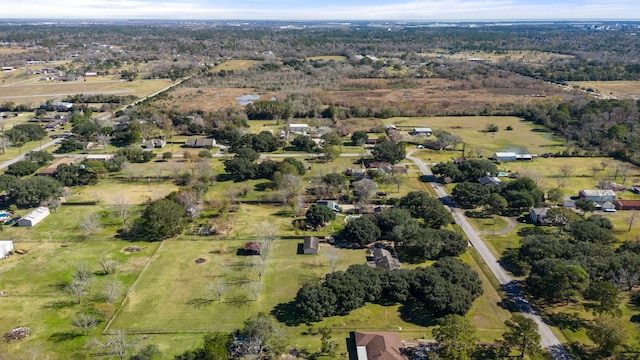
235 65
37 92
621 89
327 58
187 99
525 137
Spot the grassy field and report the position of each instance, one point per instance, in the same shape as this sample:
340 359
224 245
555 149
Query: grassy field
36 92
525 137
327 58
236 65
614 88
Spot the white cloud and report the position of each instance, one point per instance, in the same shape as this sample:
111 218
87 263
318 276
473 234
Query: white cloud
290 10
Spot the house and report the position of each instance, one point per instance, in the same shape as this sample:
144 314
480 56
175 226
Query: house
627 204
400 169
6 247
505 156
310 246
35 216
62 106
155 144
51 169
598 196
538 215
422 131
252 248
200 143
489 180
378 346
383 166
330 204
382 258
8 68
90 74
298 128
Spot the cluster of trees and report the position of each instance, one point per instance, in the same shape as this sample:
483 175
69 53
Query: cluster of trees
75 175
269 110
23 133
161 219
413 240
449 286
100 99
243 166
30 191
265 141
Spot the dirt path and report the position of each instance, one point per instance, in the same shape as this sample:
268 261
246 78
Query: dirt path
511 224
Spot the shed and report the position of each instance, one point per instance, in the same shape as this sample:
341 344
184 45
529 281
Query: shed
252 248
422 131
627 204
200 143
505 156
598 196
330 204
298 128
310 246
6 247
608 207
35 216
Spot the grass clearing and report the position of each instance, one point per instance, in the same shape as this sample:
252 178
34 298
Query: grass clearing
327 58
613 88
236 65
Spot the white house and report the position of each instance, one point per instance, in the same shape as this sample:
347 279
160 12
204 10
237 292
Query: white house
6 246
299 128
35 216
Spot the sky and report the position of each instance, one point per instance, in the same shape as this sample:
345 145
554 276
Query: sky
424 10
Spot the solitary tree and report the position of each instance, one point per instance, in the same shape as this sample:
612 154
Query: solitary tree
318 215
457 336
522 335
608 333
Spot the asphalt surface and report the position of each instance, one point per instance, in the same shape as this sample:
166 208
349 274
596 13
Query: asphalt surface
21 157
548 340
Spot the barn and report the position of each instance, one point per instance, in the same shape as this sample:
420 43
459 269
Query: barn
6 247
35 216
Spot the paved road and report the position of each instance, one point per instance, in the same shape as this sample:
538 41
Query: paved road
548 339
21 157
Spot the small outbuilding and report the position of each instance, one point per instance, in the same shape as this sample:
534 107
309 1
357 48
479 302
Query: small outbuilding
538 215
627 204
489 180
505 156
252 248
34 217
422 131
598 196
311 245
298 128
6 247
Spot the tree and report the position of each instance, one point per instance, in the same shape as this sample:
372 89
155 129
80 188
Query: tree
415 243
318 215
163 219
41 157
585 205
68 145
33 190
557 280
605 298
522 335
448 170
430 209
608 333
85 322
457 337
112 291
118 345
364 188
496 204
215 347
266 335
108 265
240 168
331 139
22 168
392 217
303 143
332 258
470 195
555 195
361 231
388 151
359 138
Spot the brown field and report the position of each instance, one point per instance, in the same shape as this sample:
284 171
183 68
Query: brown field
612 88
28 91
434 95
11 50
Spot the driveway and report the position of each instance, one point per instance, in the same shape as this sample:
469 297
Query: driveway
548 340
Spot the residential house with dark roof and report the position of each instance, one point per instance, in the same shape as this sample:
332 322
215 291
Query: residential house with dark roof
378 346
311 245
200 143
382 258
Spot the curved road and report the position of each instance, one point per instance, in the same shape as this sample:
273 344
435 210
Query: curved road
548 340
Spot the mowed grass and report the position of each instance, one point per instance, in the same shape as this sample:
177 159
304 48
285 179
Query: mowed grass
327 58
35 297
615 88
236 65
525 137
37 92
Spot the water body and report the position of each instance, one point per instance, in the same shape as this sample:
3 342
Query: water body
247 99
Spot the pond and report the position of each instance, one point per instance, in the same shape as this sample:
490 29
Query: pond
247 99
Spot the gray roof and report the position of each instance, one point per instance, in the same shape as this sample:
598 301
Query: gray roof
310 243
